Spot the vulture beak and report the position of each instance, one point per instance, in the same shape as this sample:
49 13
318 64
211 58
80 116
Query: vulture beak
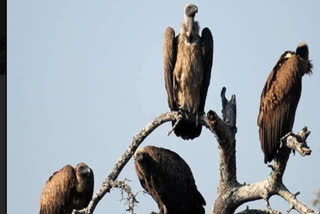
195 9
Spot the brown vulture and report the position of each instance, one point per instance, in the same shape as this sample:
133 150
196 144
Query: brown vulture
67 189
280 97
168 179
187 60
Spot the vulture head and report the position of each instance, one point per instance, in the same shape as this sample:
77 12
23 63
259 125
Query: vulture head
144 161
84 176
190 10
303 52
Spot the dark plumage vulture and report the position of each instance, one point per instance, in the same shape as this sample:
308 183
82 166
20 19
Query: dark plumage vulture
168 179
187 60
280 97
67 189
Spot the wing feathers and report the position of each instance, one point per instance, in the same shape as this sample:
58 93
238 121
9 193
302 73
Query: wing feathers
169 60
172 182
57 191
279 100
207 50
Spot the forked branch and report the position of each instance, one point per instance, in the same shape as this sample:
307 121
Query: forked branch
131 200
136 141
231 194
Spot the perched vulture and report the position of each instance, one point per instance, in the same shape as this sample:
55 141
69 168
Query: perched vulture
280 97
187 60
168 179
67 189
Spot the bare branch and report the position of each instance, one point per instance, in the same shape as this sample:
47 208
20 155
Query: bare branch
131 197
225 131
264 190
292 200
136 141
297 141
229 109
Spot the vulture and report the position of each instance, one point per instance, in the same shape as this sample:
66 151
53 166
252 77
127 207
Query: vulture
280 97
187 62
168 179
67 189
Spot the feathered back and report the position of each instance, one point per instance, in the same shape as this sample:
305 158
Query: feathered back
58 192
169 180
67 189
279 101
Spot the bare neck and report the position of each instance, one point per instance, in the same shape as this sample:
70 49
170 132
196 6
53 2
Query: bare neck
189 28
188 21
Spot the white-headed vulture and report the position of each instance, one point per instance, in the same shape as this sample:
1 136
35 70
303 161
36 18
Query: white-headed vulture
187 60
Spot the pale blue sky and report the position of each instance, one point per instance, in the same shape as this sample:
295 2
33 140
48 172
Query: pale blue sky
85 76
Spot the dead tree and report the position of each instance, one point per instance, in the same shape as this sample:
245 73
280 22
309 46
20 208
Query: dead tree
231 194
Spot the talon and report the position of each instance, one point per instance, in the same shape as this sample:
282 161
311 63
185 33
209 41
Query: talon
271 166
175 124
290 208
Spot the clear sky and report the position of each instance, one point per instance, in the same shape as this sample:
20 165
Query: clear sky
85 76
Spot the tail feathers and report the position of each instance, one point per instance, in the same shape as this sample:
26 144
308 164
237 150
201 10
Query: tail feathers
187 130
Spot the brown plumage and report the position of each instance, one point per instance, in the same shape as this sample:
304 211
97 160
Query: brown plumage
280 97
169 180
67 189
187 60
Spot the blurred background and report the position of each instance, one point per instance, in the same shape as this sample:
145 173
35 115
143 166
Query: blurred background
84 77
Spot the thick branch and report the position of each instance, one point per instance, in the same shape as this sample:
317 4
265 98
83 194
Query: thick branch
136 141
225 131
292 200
